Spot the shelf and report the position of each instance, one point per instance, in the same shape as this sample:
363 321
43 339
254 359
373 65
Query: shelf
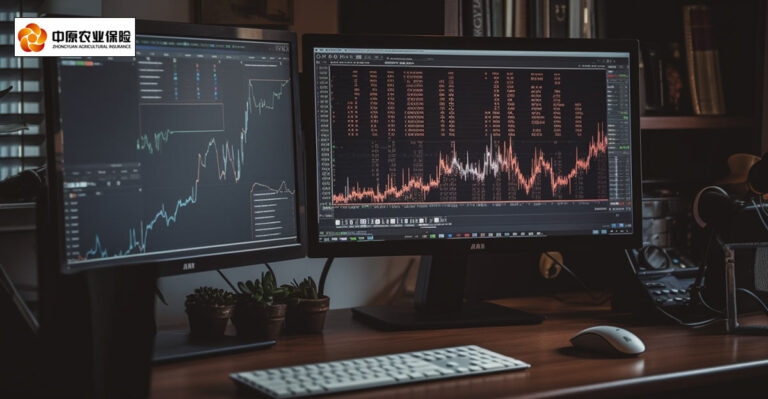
694 122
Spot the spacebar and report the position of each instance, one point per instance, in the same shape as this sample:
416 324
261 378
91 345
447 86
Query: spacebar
358 384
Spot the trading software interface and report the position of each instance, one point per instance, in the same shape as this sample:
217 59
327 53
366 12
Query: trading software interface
185 149
427 143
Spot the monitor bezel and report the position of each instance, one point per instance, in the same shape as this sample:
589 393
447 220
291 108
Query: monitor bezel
464 245
180 264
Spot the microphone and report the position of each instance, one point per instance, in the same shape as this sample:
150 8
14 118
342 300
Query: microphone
757 179
713 206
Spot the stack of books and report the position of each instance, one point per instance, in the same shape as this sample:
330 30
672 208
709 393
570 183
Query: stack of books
528 18
681 76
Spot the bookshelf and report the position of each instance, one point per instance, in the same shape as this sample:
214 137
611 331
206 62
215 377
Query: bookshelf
739 35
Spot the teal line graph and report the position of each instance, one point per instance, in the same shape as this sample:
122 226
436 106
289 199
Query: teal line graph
144 143
227 158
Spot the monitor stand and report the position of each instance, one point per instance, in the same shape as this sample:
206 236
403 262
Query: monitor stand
439 302
174 345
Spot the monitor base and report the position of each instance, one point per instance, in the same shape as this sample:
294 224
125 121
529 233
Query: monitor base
479 314
176 345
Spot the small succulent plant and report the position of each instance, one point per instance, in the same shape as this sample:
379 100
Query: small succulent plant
296 291
263 291
210 296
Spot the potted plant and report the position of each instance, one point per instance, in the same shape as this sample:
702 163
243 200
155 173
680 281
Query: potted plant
306 307
257 311
208 310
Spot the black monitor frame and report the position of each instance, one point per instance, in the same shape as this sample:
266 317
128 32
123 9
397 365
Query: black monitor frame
463 246
178 264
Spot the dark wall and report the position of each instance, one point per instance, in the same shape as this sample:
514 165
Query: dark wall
413 17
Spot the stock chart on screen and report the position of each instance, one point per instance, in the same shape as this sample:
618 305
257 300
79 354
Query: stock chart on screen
187 148
419 143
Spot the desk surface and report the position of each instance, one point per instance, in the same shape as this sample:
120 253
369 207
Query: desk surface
674 356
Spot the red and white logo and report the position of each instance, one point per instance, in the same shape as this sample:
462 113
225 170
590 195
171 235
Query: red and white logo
32 38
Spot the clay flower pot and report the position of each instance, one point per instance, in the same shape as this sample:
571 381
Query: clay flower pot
207 321
308 316
255 320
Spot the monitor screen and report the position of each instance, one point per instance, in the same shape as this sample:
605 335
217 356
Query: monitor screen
186 150
453 144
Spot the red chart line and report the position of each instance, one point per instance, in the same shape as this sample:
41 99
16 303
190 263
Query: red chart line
503 159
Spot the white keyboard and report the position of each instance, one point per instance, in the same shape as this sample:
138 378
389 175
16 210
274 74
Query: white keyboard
377 371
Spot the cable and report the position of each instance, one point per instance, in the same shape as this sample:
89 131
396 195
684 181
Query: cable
755 297
227 280
706 305
401 286
759 213
160 295
698 285
762 205
323 276
695 324
591 294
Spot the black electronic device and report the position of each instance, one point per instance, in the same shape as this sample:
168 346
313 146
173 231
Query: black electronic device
186 157
664 278
449 146
191 160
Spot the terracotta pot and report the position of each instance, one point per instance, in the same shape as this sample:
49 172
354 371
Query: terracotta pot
208 322
308 316
259 321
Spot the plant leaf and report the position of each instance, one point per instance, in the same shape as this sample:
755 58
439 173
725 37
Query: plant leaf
241 286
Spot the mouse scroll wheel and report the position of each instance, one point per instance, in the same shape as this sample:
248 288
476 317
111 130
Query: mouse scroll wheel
626 338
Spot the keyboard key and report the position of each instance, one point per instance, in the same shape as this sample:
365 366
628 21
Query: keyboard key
314 388
358 383
491 366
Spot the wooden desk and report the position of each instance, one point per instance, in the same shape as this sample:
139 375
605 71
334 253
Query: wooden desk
676 358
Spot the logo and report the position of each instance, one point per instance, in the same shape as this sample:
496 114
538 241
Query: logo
32 38
188 266
75 37
477 246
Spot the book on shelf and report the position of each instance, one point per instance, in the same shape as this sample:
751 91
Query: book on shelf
561 18
497 18
473 15
526 18
558 18
509 18
520 17
703 60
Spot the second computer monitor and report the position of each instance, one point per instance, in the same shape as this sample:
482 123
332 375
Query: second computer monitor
186 155
431 145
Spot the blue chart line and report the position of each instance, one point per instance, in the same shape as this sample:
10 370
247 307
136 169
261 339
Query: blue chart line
226 159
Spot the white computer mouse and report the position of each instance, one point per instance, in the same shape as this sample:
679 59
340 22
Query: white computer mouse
608 340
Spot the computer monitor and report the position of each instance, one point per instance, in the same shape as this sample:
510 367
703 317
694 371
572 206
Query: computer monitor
186 155
183 158
446 146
